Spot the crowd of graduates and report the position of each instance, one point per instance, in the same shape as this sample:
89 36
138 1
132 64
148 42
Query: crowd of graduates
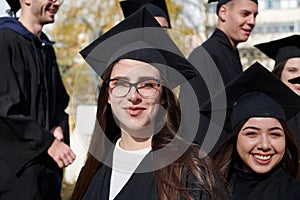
141 146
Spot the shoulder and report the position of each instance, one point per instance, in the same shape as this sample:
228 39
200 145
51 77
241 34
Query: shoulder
8 34
11 39
283 186
286 182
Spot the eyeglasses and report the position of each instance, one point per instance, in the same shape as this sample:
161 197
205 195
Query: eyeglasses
146 88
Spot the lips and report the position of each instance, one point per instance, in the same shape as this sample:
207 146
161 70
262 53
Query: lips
247 31
297 86
52 11
262 159
134 110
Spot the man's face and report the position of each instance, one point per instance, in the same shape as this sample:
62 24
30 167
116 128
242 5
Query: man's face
45 10
238 19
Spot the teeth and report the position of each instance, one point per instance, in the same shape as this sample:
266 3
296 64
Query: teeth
262 157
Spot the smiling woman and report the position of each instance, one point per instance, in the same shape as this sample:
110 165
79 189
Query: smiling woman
136 151
286 54
261 144
135 108
259 159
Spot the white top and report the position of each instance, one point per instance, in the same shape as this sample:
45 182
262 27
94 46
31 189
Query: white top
123 165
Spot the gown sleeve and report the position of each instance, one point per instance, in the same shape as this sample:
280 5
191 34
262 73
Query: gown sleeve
22 139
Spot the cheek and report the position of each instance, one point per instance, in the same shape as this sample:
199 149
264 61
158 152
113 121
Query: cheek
108 99
245 145
241 145
279 145
285 76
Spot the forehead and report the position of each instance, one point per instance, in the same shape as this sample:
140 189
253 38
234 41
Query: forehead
263 122
134 69
295 62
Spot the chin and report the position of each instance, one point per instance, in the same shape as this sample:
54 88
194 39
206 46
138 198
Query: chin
297 92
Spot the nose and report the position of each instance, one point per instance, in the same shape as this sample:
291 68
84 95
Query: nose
134 96
251 20
264 143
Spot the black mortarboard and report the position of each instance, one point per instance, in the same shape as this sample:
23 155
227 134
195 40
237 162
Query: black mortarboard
282 49
295 80
139 37
256 93
14 5
221 2
157 8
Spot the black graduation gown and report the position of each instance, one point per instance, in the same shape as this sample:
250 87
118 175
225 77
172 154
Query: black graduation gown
226 57
294 125
140 185
276 185
217 51
26 170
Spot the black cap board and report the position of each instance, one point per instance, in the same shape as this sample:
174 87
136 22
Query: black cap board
295 80
281 49
139 37
257 93
221 2
157 8
14 5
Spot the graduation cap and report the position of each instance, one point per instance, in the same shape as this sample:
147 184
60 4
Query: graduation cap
295 80
221 2
14 5
139 37
256 93
157 8
282 49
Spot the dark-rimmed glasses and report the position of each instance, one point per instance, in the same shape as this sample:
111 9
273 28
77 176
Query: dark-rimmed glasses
146 88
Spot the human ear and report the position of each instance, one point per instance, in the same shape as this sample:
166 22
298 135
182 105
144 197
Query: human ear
27 2
222 12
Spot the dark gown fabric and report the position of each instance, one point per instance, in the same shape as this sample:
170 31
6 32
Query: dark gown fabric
226 59
28 68
294 125
276 185
140 185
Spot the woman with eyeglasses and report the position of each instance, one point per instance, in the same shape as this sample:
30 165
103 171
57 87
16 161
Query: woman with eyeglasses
135 151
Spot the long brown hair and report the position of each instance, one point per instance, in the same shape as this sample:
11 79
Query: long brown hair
227 155
277 71
169 181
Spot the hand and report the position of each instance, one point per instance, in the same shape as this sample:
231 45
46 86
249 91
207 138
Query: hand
61 153
58 133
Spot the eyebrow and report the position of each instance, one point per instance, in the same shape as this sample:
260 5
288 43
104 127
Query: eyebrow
256 128
141 78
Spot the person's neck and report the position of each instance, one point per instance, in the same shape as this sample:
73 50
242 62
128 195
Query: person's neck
31 25
233 44
131 143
